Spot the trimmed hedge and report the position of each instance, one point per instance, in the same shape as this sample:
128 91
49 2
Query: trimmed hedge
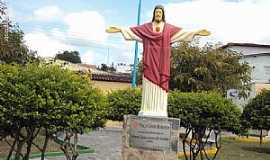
256 114
196 109
209 110
123 102
38 97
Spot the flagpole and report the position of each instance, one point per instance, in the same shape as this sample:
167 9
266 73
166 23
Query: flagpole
134 71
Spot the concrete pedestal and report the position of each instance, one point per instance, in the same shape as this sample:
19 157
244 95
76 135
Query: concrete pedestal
150 138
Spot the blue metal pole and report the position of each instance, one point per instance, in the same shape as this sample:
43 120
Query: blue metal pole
134 71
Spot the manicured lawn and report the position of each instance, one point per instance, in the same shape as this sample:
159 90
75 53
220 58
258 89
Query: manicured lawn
233 150
236 150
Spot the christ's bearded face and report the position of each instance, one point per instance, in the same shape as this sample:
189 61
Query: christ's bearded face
158 15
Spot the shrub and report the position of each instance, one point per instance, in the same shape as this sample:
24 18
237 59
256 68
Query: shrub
39 97
123 102
256 114
200 114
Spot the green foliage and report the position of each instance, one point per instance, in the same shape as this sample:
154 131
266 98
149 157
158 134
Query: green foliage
201 114
123 102
206 110
70 56
12 47
140 73
34 97
50 94
209 68
106 68
256 114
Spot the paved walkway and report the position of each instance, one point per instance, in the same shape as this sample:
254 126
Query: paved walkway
106 142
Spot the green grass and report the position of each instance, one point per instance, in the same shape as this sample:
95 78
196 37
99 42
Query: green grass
233 150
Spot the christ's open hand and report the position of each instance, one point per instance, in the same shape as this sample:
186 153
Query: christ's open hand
113 29
203 32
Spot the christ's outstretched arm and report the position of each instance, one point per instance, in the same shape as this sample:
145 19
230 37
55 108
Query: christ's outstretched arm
126 32
183 35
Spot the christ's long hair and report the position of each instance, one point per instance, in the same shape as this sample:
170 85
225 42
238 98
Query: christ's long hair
163 10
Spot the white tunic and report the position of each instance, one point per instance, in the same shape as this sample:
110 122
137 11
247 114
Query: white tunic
154 98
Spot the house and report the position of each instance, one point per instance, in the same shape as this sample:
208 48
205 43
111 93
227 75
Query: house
106 81
123 68
258 57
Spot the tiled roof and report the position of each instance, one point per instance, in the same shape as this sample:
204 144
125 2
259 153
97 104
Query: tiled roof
245 44
99 75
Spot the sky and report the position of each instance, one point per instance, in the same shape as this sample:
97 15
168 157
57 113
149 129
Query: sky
52 26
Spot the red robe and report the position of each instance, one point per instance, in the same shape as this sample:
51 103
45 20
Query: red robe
156 52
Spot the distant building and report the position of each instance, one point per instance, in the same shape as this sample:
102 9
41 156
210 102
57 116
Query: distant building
78 67
106 81
123 68
258 57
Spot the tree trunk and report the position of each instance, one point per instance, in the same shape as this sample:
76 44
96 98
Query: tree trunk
28 149
261 138
32 133
19 149
218 142
75 154
184 142
11 149
45 145
66 146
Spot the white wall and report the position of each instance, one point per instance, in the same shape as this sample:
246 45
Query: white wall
260 63
261 68
123 68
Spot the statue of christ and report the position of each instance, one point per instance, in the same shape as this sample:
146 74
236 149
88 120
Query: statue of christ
157 37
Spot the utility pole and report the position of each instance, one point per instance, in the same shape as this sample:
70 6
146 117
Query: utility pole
134 71
6 19
108 57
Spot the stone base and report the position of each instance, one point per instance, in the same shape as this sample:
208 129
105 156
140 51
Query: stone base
153 114
150 138
139 154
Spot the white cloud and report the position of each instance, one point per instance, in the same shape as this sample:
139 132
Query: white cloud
48 13
242 21
87 57
91 57
45 45
84 29
86 25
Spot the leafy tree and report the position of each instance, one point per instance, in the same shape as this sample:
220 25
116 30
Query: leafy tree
201 114
36 98
140 73
70 56
12 47
256 114
106 68
3 8
209 68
